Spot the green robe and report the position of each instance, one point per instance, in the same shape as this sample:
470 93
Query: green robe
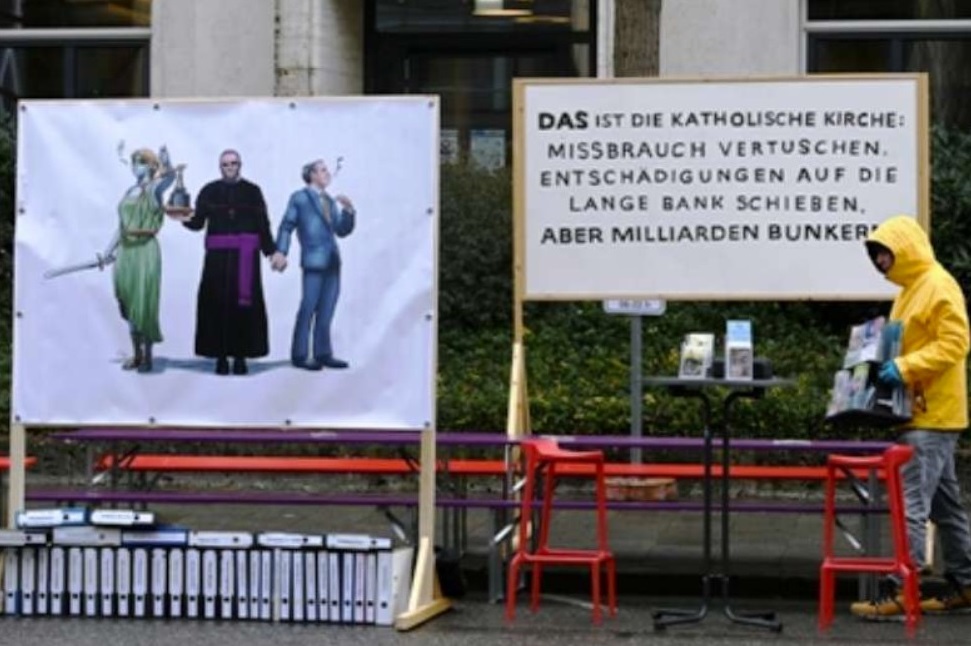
138 266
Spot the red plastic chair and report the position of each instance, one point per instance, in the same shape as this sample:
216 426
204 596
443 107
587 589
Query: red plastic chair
891 461
546 454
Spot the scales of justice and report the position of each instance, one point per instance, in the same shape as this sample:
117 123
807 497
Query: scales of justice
179 205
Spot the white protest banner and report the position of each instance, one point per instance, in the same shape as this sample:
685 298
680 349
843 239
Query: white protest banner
714 189
104 274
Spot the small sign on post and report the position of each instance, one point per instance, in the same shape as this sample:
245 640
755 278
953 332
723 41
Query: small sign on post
652 307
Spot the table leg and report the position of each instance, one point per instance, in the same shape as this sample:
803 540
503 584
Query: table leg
664 617
765 619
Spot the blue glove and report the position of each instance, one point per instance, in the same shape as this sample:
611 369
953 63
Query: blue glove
890 374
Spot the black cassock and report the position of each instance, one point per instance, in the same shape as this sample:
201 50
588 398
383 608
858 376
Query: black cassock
225 327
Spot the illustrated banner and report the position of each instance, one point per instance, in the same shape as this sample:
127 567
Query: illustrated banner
263 263
714 189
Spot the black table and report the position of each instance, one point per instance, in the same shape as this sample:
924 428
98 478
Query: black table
706 389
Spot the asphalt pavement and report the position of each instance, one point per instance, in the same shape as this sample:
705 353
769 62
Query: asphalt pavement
475 622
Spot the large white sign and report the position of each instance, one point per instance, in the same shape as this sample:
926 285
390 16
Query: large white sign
714 189
363 254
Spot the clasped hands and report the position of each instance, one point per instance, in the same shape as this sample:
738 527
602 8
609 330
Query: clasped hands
278 261
889 374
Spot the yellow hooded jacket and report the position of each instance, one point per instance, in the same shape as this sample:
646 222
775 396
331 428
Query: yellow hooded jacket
935 326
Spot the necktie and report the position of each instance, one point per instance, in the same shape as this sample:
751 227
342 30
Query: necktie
325 207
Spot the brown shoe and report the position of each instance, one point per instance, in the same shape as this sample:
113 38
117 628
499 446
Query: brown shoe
958 602
886 609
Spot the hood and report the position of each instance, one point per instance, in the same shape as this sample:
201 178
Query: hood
912 251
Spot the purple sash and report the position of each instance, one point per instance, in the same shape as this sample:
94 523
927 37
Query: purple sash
245 244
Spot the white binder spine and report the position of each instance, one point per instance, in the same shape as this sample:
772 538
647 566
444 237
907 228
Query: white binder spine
254 584
218 539
370 587
383 612
108 578
284 567
323 602
92 575
176 581
75 579
139 586
227 583
242 584
58 517
297 600
11 580
193 582
266 585
210 583
334 585
360 583
160 571
43 579
124 580
28 578
58 565
310 579
347 587
122 517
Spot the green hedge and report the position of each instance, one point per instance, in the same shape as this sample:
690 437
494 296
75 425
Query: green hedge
8 152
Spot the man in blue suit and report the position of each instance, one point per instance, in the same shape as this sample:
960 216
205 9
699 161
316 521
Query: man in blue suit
319 220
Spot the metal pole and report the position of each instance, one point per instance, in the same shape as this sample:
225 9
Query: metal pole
636 385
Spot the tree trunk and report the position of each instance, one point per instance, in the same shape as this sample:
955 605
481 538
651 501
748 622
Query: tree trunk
637 37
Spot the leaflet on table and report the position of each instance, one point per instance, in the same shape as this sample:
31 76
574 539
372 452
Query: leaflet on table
739 352
697 355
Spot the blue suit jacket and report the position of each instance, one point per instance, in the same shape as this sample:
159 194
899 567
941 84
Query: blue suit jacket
318 240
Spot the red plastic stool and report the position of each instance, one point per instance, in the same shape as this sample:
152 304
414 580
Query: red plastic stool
890 461
546 453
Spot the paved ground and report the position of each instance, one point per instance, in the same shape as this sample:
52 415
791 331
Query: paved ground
474 622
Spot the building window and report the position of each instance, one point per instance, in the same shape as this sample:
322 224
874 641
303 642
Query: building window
888 10
468 52
898 36
73 49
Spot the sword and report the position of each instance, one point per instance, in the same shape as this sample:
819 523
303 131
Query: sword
100 261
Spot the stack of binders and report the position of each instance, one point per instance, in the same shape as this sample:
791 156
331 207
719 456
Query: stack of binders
120 563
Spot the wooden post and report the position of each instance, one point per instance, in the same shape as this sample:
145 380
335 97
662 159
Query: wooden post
426 601
17 474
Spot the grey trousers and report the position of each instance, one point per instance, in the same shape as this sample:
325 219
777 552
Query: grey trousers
932 491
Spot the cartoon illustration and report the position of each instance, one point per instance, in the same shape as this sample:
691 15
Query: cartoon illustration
318 220
231 311
134 251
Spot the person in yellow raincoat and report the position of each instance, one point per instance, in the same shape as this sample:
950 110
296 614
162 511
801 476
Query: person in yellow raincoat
932 365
